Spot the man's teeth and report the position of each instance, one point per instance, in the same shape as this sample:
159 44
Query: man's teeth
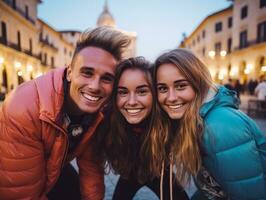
175 106
91 98
133 111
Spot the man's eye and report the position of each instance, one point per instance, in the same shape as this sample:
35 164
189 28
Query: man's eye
162 89
107 79
88 73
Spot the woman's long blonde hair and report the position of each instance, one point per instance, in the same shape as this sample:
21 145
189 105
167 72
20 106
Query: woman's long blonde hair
185 146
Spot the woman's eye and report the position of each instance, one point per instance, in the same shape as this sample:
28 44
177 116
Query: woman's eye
122 92
142 92
162 89
180 86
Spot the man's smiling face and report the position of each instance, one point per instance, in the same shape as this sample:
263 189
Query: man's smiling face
91 80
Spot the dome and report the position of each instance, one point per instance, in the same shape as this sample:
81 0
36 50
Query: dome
105 18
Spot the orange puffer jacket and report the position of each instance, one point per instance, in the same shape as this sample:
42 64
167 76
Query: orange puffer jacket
33 146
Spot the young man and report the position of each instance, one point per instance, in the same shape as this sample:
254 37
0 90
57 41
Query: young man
47 122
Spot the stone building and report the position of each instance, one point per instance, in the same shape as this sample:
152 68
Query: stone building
232 41
29 47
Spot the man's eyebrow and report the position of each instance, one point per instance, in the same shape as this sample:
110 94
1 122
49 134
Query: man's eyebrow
87 68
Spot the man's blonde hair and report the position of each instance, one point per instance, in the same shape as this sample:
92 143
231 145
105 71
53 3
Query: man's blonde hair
106 38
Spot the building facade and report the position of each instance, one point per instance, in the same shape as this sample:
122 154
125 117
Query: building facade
232 42
29 47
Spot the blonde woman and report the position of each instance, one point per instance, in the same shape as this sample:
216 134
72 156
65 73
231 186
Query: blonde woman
213 141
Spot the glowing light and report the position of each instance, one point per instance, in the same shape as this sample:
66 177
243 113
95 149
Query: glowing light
17 65
233 71
29 68
20 73
249 66
247 71
263 68
2 60
223 53
222 74
211 54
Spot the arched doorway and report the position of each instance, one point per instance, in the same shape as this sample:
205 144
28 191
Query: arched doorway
259 68
4 77
242 76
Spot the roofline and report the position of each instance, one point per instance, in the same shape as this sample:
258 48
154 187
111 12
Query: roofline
67 31
210 16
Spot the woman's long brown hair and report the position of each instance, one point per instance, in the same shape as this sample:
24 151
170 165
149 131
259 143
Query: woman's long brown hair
119 148
185 147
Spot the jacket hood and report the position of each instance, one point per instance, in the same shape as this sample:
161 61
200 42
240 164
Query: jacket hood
223 98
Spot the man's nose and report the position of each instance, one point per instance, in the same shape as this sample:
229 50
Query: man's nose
94 84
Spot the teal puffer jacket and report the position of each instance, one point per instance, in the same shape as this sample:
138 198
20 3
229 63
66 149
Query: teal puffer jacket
234 148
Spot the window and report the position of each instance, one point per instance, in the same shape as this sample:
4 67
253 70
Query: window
27 12
52 61
30 45
262 3
65 51
198 38
14 4
218 48
203 51
261 32
203 34
244 12
229 45
45 59
19 40
3 35
218 27
243 39
230 22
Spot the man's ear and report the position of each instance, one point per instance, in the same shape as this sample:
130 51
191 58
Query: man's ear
69 73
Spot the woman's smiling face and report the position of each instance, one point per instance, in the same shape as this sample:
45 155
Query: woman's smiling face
175 93
134 96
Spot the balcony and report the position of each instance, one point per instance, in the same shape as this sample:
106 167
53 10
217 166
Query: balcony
45 42
249 44
18 48
20 11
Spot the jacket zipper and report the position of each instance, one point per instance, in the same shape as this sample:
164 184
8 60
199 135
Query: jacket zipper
51 122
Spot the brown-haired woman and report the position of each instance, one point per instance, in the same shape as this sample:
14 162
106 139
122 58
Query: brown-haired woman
214 142
135 133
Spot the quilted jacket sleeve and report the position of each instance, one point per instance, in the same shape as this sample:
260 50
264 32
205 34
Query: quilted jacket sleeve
91 175
21 152
235 154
